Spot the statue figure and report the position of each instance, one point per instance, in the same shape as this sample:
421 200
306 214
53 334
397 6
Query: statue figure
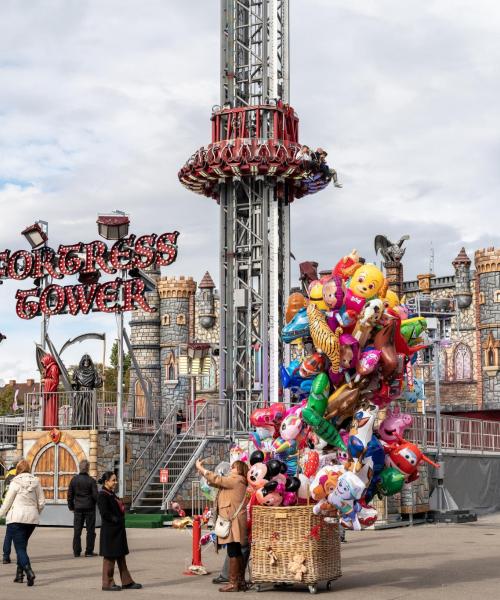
50 382
86 379
390 251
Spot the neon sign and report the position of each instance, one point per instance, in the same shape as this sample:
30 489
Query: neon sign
89 261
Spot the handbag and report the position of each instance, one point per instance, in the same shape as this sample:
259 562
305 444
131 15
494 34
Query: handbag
222 527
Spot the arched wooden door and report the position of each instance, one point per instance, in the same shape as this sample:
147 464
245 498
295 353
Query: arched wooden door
55 465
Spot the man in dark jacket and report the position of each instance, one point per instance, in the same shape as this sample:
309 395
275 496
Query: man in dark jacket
82 499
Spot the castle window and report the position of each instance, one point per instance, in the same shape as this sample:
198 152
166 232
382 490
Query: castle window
481 298
491 358
165 320
206 295
181 319
208 382
171 368
496 296
463 363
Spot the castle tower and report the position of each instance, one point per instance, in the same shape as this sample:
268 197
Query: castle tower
177 310
394 276
463 292
206 302
487 262
145 340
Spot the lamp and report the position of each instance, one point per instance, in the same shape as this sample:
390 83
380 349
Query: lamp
35 235
113 226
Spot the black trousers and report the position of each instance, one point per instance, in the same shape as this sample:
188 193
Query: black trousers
81 518
234 549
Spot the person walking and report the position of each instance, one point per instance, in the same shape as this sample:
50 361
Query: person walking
82 500
231 502
22 507
180 420
113 545
7 542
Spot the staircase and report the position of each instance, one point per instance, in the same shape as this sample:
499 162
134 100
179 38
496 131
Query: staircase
177 453
179 459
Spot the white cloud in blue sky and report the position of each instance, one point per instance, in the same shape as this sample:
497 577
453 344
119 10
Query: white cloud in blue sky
102 101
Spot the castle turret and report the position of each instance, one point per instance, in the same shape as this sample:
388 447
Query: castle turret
176 331
206 301
487 262
145 340
463 292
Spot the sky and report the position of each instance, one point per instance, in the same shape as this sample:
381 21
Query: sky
102 101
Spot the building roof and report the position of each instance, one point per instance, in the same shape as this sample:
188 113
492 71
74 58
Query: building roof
207 281
462 258
113 219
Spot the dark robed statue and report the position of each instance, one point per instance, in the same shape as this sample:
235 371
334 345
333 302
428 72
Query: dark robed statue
86 379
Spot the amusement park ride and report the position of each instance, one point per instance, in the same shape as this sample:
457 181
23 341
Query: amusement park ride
254 167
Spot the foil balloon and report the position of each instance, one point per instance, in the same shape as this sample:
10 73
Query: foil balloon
391 299
269 415
405 457
360 435
343 402
318 398
349 489
310 462
295 302
223 469
312 365
323 428
384 341
347 265
367 281
368 361
390 482
303 491
394 425
333 293
298 327
209 492
316 295
412 329
324 339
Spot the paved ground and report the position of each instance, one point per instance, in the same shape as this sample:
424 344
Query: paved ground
424 562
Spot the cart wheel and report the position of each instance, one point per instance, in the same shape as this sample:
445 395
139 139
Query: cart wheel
313 589
328 586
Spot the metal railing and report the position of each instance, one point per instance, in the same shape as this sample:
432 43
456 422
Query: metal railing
93 409
198 501
9 427
459 434
152 454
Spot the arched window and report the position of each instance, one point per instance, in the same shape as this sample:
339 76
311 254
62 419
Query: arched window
481 298
171 368
463 363
209 382
497 295
181 319
491 358
165 320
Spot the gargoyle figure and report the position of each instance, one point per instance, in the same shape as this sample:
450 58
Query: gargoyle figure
390 251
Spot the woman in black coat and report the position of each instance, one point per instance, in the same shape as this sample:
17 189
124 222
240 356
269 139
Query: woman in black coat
113 539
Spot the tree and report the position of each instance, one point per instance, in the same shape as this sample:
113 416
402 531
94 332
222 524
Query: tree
111 373
6 400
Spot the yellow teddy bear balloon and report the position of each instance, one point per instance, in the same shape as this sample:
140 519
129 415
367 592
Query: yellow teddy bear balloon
391 299
316 295
367 281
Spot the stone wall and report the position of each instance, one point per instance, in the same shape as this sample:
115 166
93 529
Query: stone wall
108 452
453 393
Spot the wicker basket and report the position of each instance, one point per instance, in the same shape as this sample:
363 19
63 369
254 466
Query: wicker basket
287 531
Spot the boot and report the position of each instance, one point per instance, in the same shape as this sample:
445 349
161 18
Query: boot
241 572
234 577
30 575
19 575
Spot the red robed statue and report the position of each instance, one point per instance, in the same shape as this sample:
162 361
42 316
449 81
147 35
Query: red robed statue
50 381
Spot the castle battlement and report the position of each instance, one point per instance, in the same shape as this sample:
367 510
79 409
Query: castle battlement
176 287
487 260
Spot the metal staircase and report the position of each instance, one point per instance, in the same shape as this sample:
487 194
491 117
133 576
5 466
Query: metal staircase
178 456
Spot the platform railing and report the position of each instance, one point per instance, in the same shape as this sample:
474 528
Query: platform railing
9 427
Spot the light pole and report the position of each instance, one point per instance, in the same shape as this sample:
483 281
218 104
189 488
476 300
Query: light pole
114 226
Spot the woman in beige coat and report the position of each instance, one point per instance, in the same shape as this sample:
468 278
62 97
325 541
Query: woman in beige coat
22 507
231 497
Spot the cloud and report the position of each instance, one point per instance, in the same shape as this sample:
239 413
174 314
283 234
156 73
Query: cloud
102 102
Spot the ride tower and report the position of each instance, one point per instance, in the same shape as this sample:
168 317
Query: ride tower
254 167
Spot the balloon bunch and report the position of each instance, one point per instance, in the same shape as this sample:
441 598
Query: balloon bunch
355 344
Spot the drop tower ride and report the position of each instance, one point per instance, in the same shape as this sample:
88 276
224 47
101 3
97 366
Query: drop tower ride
254 167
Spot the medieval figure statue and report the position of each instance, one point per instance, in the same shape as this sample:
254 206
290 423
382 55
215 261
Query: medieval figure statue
391 251
86 379
50 382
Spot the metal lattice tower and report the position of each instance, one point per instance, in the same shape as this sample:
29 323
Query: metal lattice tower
254 167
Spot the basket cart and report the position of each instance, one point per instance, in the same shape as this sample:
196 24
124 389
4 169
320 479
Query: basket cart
291 545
